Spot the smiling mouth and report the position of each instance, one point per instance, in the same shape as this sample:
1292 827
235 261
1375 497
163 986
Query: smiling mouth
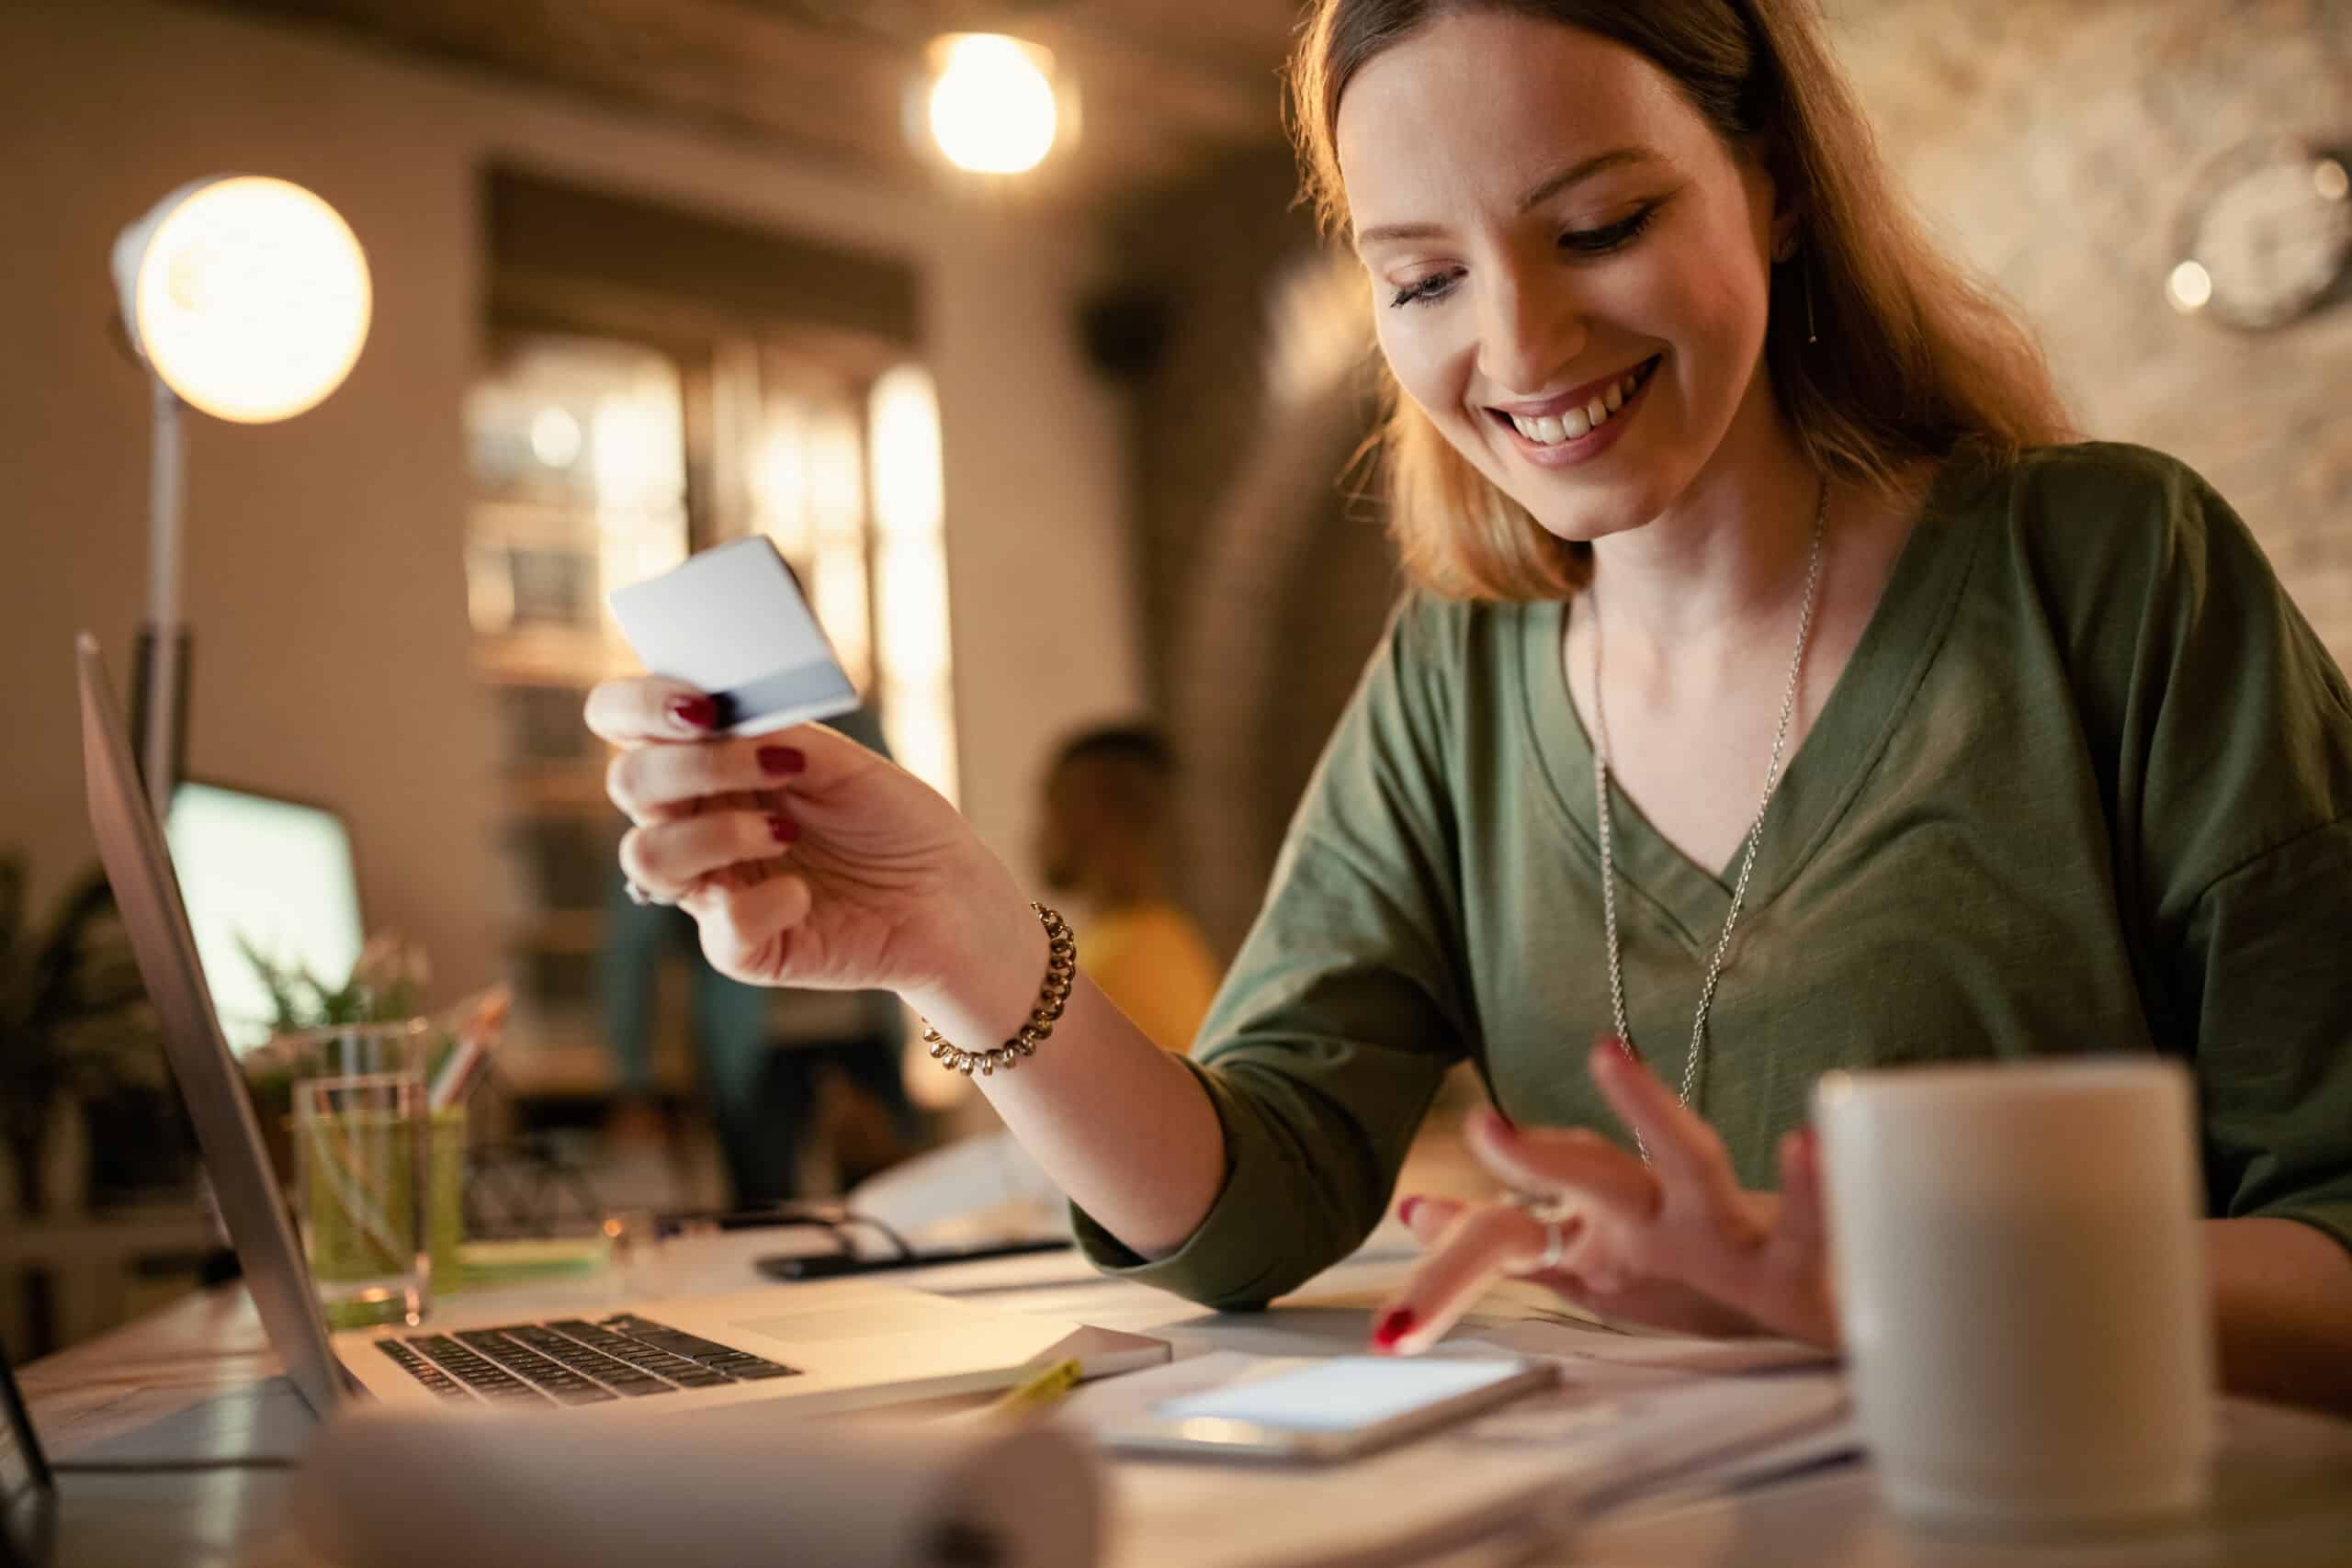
1573 421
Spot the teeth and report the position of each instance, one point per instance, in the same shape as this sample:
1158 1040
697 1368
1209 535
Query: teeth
1550 432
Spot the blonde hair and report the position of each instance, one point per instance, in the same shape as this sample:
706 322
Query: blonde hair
1915 358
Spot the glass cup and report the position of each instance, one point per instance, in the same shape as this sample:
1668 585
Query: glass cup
378 1175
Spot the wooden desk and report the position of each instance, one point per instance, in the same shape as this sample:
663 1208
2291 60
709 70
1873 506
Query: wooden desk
2285 1480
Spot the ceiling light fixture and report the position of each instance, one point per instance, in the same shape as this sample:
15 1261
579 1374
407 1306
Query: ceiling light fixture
993 105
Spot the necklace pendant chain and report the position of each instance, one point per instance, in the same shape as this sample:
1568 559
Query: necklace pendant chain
1690 1066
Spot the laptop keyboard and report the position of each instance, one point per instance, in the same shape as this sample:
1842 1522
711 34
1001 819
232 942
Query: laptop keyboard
573 1361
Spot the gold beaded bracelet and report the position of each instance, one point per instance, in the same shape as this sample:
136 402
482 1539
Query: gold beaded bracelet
1061 972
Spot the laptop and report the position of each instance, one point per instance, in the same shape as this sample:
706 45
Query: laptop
818 1346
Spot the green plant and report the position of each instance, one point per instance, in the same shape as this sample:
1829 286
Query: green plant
75 1020
383 984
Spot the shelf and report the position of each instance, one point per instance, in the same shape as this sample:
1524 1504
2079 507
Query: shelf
550 656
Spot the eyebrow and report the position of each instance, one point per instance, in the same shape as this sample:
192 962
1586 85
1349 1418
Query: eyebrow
1534 196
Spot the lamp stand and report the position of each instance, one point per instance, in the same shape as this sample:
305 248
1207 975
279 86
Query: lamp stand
159 689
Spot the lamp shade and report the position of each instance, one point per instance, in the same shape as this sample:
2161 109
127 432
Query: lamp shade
249 296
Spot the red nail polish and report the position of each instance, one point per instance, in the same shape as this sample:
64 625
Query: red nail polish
694 712
779 760
1505 1118
784 828
1405 1210
1393 1324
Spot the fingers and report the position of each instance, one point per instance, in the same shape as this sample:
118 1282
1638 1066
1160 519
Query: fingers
1427 1218
1430 1218
630 712
1576 1161
1799 1238
1474 1246
652 783
669 859
745 930
1685 1151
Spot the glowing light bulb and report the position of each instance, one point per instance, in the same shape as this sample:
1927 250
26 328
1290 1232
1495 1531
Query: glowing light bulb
249 296
2190 287
991 108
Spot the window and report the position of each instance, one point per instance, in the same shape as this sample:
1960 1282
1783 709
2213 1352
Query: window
626 417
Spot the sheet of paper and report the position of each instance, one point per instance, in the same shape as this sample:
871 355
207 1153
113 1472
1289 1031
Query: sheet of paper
1585 1343
1528 1470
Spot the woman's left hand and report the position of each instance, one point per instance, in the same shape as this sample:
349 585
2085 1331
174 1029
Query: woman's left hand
1675 1244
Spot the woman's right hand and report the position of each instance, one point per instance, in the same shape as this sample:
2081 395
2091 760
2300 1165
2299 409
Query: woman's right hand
882 883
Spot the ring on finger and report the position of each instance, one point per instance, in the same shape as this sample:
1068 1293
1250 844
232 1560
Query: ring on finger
640 897
1555 1246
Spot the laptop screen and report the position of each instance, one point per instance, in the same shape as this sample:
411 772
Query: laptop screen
274 873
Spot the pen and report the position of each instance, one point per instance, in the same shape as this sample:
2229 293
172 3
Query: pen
1038 1395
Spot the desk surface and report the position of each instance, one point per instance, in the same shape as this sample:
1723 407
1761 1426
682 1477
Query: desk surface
2285 1479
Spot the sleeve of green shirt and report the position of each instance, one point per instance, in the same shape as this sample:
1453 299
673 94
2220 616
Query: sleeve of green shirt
2224 732
1341 1015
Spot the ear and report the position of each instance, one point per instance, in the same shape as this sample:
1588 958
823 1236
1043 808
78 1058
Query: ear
1774 157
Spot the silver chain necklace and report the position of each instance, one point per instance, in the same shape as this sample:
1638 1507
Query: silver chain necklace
1755 829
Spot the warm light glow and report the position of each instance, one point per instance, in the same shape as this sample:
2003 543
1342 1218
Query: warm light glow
780 480
2189 287
992 107
916 684
836 453
555 438
634 454
905 412
249 296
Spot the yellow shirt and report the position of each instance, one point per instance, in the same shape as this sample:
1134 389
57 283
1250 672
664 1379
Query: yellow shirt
1151 961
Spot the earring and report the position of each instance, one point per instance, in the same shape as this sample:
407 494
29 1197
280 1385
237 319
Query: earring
1809 335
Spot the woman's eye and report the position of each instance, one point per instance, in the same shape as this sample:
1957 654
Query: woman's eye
1609 237
1428 291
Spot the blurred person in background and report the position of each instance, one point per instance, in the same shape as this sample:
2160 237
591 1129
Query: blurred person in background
1103 848
1672 369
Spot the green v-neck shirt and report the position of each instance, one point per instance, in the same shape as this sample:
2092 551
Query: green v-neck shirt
2084 786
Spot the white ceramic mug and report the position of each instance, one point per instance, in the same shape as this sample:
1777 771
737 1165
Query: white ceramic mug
2021 1288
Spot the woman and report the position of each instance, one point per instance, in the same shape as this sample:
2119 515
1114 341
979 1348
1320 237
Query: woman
1924 736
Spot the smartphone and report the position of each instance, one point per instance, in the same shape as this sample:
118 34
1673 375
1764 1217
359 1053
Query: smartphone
731 622
1330 1409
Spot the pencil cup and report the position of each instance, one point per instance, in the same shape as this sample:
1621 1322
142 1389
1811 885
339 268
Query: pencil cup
377 1176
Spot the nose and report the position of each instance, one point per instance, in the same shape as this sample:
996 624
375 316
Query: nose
1529 328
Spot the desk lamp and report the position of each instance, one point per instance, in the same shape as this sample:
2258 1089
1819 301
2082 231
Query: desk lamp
247 298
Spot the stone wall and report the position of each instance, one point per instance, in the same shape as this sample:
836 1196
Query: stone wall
2051 142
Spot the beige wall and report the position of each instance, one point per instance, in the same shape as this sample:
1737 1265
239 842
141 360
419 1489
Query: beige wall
324 577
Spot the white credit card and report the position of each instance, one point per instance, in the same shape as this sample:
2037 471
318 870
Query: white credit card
733 623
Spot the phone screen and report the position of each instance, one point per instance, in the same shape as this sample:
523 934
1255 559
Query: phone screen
1341 1394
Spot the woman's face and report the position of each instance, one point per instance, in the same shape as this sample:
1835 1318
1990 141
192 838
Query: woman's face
1554 234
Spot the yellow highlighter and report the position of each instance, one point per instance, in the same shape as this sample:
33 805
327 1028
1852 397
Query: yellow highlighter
1038 1395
